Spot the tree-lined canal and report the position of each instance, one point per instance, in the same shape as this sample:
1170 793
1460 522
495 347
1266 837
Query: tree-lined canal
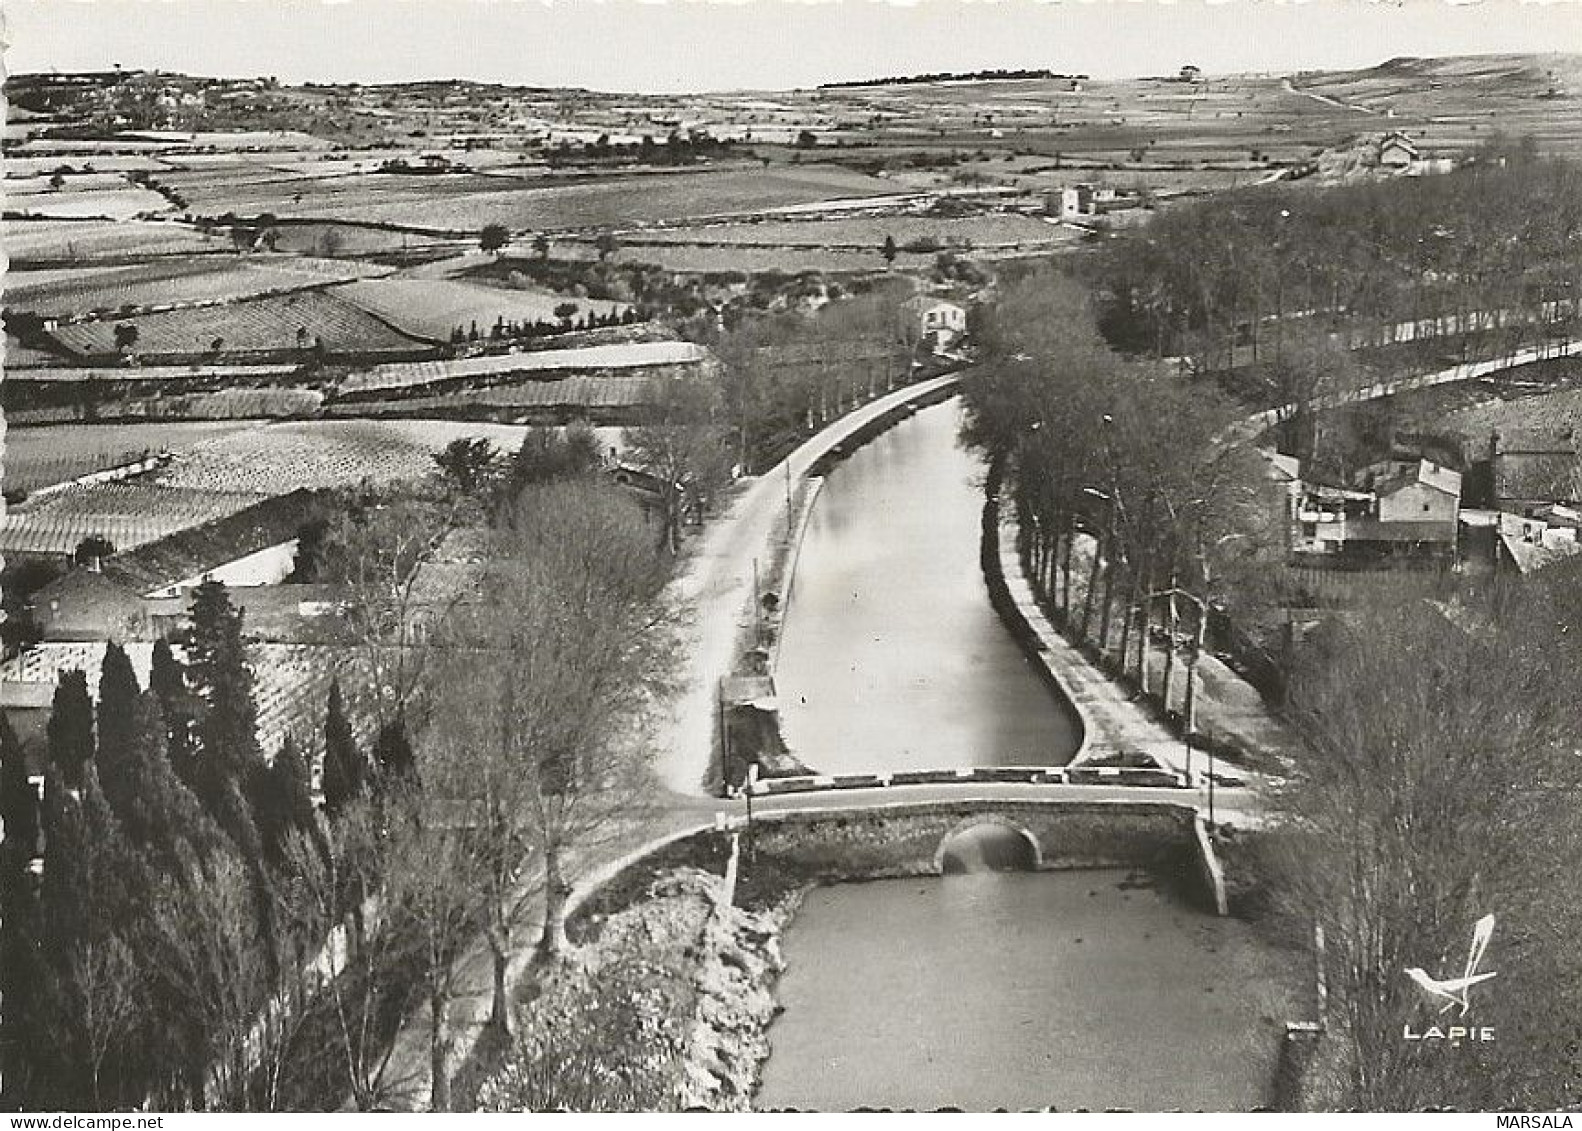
990 989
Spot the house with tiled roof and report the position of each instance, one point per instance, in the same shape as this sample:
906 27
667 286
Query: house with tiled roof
138 594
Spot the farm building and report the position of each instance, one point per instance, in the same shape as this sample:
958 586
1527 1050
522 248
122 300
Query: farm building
1413 514
1397 151
139 594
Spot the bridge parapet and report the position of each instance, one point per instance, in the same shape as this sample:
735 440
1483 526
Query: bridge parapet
971 775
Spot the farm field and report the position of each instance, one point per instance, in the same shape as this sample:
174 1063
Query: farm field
432 308
617 202
63 241
744 260
1000 229
342 240
72 203
66 293
624 355
278 324
324 453
24 167
572 394
39 457
129 513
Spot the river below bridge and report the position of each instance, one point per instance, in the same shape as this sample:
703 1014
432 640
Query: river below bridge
893 658
989 989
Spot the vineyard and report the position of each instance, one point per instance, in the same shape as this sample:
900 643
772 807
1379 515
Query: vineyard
283 323
432 308
129 514
37 474
63 241
568 394
497 367
67 293
743 260
26 448
324 453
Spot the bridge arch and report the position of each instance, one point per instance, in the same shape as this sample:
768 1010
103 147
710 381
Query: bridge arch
1029 852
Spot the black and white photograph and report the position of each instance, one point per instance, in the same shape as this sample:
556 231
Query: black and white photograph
818 556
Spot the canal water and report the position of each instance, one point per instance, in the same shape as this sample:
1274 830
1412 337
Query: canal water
893 658
991 988
1022 990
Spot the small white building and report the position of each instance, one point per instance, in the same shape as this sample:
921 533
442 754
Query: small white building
1081 200
1425 493
938 320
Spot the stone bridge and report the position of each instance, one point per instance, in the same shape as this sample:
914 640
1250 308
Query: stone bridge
871 838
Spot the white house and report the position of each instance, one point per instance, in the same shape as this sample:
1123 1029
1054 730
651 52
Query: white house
938 321
1426 493
1085 200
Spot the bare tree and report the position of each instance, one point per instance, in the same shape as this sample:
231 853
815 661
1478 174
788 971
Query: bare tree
536 745
685 448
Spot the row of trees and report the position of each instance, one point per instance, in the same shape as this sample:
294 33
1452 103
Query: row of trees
566 321
178 946
1115 467
1487 256
152 931
784 375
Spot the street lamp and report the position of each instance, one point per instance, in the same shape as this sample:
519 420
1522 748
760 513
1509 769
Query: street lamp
1190 706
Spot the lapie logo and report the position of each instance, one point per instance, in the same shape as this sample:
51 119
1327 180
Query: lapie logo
1455 993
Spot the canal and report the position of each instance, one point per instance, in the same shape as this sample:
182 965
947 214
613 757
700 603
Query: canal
1096 988
893 658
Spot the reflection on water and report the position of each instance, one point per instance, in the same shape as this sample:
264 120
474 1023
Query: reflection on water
1020 990
893 657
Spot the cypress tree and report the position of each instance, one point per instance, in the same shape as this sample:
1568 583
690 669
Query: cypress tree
18 926
158 813
167 679
393 754
229 763
345 769
287 802
118 705
71 728
217 667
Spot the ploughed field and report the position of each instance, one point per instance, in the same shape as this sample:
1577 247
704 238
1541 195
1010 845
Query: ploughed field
281 323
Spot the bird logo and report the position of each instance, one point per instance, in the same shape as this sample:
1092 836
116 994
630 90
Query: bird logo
1453 992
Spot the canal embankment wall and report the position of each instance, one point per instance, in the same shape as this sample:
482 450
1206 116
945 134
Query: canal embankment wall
994 558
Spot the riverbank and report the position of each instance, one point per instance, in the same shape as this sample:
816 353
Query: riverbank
664 1005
